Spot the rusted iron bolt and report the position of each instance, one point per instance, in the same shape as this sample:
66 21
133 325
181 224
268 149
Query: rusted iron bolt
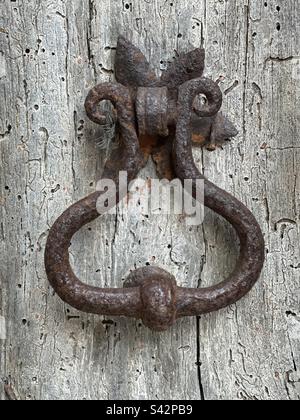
162 108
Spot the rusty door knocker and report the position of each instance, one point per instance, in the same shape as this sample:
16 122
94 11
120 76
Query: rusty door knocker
164 113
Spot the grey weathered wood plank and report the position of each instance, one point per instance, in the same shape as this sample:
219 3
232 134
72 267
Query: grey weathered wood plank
251 351
50 55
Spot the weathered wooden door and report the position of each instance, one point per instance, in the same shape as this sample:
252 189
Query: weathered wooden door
51 54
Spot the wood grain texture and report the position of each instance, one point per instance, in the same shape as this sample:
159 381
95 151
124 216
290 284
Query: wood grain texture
51 54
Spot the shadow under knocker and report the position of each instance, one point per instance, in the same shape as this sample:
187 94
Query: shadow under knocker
158 117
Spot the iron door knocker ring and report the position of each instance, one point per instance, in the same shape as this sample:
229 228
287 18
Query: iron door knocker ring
163 109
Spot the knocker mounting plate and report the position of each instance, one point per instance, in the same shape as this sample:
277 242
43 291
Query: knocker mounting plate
158 117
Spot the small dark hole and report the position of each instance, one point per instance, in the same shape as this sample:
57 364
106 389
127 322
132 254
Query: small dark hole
278 8
246 178
254 34
19 197
266 4
20 286
6 187
36 107
127 6
24 321
278 26
179 35
27 50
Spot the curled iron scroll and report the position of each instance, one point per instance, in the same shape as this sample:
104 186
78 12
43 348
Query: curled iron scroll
150 293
